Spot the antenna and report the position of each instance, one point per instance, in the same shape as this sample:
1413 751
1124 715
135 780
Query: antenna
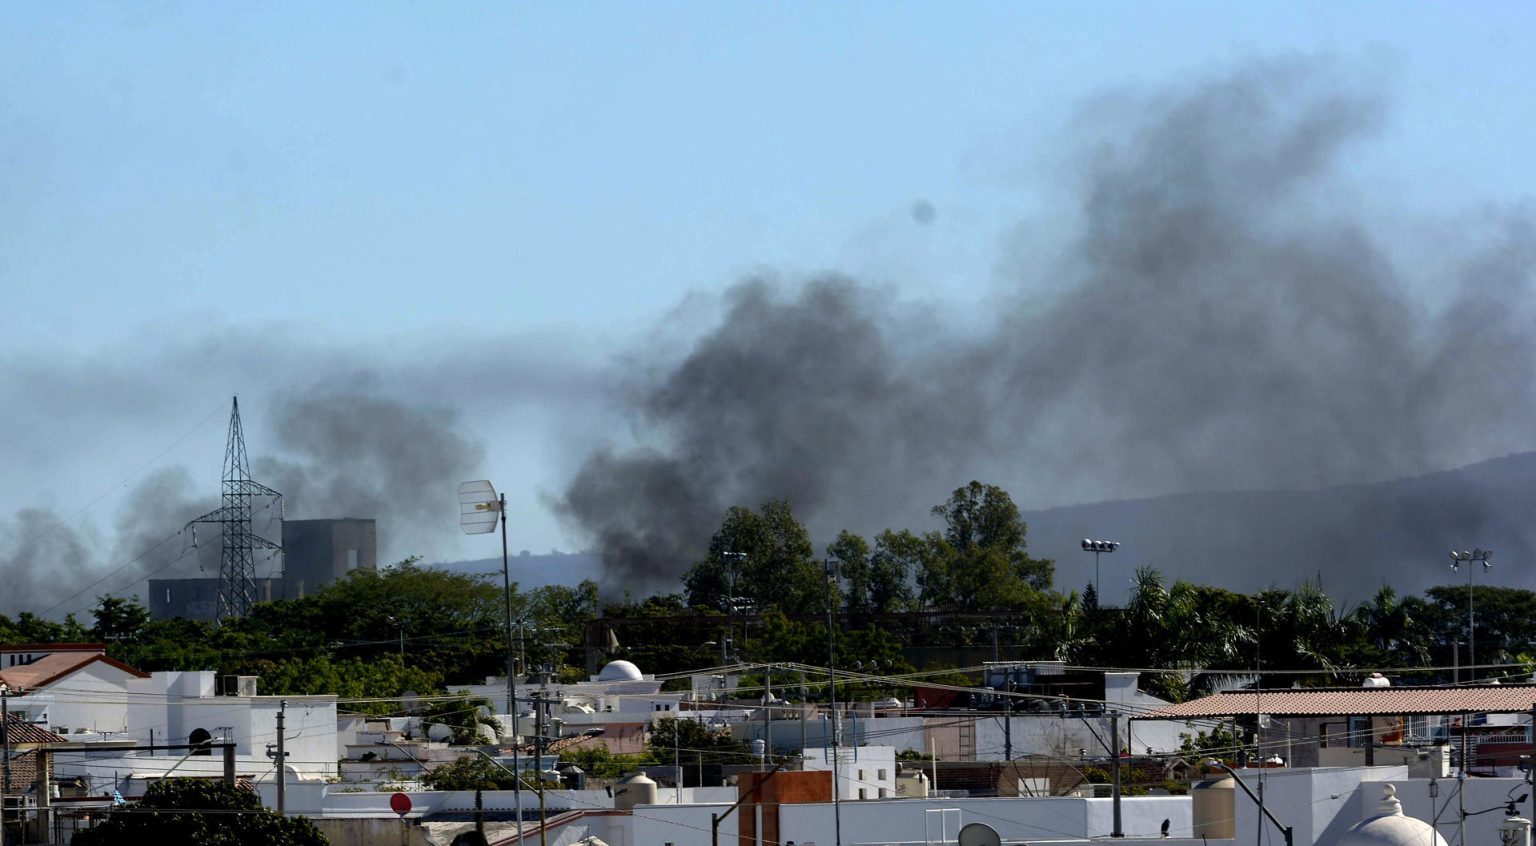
237 563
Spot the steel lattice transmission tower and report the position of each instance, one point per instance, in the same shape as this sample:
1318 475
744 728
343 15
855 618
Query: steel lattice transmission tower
237 562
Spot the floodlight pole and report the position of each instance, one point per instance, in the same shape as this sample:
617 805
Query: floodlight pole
1467 558
506 585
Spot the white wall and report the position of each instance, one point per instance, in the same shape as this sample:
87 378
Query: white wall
871 769
1015 819
93 697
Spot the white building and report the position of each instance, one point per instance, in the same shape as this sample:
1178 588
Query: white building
77 691
863 772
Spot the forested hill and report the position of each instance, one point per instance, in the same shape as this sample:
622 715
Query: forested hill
1354 537
532 570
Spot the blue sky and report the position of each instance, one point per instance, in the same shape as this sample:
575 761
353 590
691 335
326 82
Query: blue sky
394 179
394 167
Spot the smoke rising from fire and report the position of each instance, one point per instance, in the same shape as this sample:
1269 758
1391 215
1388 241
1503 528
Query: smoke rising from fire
1220 316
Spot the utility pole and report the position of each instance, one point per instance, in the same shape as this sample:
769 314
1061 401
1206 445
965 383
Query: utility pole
282 760
1114 742
803 707
837 813
506 586
1008 719
478 501
5 762
767 711
538 754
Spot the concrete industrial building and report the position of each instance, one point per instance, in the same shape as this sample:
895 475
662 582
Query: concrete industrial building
316 553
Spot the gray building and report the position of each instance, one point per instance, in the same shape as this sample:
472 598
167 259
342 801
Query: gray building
316 553
320 552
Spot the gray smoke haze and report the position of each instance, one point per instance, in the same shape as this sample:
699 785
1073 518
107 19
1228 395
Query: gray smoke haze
1222 316
356 454
36 535
342 431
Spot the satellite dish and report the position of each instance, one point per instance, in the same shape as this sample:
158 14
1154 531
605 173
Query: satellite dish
979 834
479 507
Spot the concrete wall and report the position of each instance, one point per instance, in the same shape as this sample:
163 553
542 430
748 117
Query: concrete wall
91 698
985 739
371 832
905 821
320 552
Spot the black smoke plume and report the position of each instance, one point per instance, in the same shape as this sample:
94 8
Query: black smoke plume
1222 314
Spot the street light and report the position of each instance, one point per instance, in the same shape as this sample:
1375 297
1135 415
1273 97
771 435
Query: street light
1096 547
1458 559
480 509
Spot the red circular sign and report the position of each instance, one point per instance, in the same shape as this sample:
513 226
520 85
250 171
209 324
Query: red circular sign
400 804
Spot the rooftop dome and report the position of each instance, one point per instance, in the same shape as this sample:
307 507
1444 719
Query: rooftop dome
1389 827
617 671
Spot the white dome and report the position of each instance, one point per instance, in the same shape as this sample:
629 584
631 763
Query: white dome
619 671
1389 827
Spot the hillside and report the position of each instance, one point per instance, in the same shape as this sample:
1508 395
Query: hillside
1354 538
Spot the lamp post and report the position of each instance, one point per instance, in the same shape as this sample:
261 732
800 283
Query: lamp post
480 509
1096 547
1457 560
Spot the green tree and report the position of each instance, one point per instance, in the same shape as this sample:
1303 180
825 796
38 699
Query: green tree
980 561
699 741
464 714
118 619
200 812
30 628
851 555
779 568
381 679
896 557
471 772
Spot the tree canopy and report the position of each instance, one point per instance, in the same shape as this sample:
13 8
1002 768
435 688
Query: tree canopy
201 812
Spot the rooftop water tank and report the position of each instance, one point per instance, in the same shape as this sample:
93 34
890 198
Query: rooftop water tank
638 789
1215 808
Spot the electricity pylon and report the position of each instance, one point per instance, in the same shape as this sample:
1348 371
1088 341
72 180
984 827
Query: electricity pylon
237 563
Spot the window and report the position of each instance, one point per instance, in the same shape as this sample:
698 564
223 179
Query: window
880 774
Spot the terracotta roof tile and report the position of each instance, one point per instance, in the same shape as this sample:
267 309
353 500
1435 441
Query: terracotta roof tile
24 763
1355 701
51 668
22 732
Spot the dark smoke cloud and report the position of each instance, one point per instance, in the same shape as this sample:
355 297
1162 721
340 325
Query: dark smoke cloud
359 454
1220 317
42 556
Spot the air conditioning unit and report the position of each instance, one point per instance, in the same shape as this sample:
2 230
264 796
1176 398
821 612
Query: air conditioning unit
237 685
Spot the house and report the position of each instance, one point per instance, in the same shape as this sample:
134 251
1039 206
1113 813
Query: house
28 771
79 693
1346 726
94 686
